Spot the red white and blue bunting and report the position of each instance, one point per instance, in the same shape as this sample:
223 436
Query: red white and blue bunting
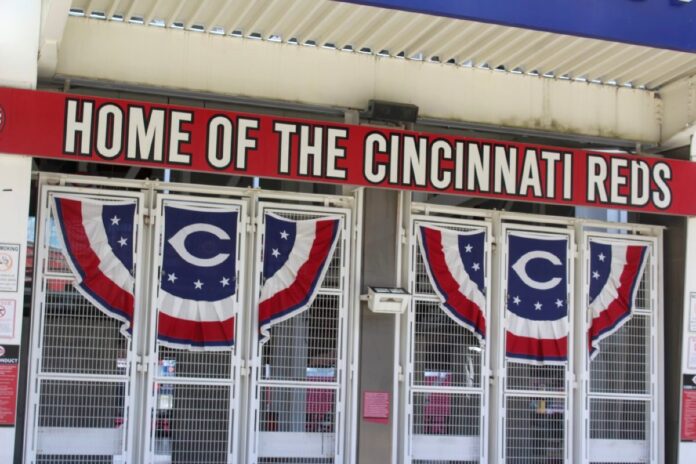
455 263
536 320
616 269
296 256
97 239
198 281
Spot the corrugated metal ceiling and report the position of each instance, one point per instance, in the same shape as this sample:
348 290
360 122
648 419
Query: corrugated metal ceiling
405 35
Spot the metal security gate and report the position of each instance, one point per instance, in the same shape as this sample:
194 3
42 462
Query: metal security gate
100 395
299 376
446 373
193 394
82 369
535 398
621 382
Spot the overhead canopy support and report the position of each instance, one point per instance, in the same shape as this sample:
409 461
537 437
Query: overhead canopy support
679 113
54 15
167 58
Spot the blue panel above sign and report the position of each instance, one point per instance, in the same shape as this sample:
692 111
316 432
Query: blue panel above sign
667 24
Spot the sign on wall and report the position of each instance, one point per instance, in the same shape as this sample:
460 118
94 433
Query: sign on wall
9 373
88 129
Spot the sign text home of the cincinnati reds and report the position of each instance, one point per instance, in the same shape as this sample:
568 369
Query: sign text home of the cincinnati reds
81 128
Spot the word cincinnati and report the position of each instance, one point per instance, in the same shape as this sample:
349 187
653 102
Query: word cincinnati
492 168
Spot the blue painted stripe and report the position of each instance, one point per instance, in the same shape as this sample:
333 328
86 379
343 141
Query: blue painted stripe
667 24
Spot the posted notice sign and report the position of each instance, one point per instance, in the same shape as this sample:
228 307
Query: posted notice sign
9 373
88 129
9 267
688 416
376 406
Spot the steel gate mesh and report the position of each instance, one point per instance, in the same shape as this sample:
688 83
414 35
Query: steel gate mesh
72 458
534 397
445 413
535 429
77 337
621 390
299 381
195 426
305 347
193 391
444 390
445 353
82 374
431 461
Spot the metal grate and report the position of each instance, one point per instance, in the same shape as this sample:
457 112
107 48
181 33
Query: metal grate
643 295
621 391
73 458
445 387
430 461
77 337
82 395
421 280
295 461
192 423
81 404
287 409
305 347
527 377
55 262
195 364
623 363
299 381
445 353
535 429
619 419
193 392
446 414
534 397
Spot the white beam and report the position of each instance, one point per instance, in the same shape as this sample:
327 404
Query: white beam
257 69
54 14
678 113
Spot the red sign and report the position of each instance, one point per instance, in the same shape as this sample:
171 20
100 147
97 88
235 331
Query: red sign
376 407
9 373
688 415
82 128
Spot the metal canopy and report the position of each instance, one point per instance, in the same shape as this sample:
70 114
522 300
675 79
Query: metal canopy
405 35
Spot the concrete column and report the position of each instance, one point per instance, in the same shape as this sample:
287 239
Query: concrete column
378 332
20 22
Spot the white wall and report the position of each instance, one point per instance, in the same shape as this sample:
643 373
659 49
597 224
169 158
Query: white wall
20 21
